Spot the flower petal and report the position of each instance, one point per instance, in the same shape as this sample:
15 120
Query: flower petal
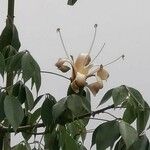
102 73
60 64
80 80
95 87
74 87
82 60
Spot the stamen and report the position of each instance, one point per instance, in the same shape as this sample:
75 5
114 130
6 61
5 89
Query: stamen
121 57
62 42
98 52
95 27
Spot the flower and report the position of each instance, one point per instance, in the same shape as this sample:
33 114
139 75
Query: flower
82 69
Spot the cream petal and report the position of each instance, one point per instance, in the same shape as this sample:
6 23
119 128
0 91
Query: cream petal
74 87
80 80
64 68
95 87
102 73
82 60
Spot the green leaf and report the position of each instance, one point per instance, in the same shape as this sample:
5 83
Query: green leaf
51 141
141 144
128 133
37 100
20 146
9 36
105 135
67 142
29 98
2 64
31 70
12 107
59 108
2 113
46 110
120 145
35 116
106 97
119 95
142 118
130 114
71 2
136 95
79 105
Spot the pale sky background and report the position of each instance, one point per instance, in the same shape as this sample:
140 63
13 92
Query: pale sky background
124 25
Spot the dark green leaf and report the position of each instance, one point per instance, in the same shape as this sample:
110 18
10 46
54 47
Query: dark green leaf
2 113
141 144
59 108
35 116
29 98
67 142
105 135
71 2
12 107
119 95
20 146
130 114
2 64
128 133
142 118
120 145
79 105
51 141
37 100
135 94
31 70
46 110
106 97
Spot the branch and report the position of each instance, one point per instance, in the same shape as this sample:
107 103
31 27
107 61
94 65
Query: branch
39 125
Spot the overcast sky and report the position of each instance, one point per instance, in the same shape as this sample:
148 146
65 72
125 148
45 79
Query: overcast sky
124 25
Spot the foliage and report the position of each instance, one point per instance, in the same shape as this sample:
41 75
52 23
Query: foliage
64 121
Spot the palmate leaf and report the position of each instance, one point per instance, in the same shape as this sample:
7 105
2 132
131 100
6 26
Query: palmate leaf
12 107
31 70
105 135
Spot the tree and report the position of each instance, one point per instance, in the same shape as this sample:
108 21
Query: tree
64 122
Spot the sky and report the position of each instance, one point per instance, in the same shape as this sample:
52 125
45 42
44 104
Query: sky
124 26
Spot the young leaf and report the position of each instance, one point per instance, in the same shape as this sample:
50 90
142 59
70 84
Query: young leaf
12 107
128 133
119 95
46 110
105 135
106 97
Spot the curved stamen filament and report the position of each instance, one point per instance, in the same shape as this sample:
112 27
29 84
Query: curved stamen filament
95 27
121 57
62 42
98 53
